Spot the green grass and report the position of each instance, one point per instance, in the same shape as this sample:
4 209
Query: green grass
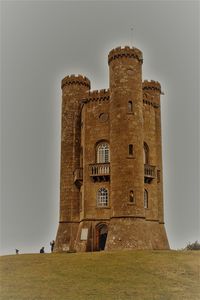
119 275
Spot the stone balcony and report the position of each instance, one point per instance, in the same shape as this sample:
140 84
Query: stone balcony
78 176
100 172
149 173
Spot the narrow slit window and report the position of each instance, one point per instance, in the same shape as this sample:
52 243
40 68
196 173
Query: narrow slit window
145 199
130 106
130 149
146 154
158 176
131 197
81 203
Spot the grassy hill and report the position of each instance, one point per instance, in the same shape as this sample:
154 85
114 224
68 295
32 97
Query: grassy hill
121 275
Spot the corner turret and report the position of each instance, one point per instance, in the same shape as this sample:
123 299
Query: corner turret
75 79
151 86
74 89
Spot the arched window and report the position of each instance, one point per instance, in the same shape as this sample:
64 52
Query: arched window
130 106
146 153
102 197
103 153
145 199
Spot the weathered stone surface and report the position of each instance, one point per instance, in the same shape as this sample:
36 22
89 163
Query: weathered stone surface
125 116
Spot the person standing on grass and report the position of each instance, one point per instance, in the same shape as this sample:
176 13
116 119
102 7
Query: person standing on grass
17 251
42 250
52 245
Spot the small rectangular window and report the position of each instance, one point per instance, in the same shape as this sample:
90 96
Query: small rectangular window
132 197
158 176
130 106
130 149
80 201
146 199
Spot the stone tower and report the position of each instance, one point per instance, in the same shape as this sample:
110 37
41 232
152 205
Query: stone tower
111 190
74 88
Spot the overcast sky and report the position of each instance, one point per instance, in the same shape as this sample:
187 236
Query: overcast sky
41 42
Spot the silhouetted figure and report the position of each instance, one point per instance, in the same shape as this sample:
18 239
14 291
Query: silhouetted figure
16 251
52 245
42 250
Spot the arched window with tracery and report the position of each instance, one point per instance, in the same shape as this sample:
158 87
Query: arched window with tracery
145 198
103 153
146 153
102 197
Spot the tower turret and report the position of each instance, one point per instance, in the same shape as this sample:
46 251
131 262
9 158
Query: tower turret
74 89
126 132
126 144
152 92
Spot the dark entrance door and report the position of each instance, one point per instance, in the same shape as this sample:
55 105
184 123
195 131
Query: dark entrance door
103 231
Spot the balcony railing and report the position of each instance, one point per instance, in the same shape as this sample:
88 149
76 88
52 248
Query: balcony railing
100 171
78 176
149 173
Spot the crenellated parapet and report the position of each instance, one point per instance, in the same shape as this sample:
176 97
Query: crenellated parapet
75 79
129 52
151 85
98 95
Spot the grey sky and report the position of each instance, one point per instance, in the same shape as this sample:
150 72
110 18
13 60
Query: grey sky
44 41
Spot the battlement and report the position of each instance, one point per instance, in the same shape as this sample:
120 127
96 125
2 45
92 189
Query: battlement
151 85
126 51
98 95
75 79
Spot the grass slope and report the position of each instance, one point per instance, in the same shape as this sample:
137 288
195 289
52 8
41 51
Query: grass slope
101 275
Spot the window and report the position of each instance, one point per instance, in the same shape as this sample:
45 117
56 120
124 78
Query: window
145 199
146 154
102 197
131 197
158 176
81 157
130 106
103 153
80 200
130 149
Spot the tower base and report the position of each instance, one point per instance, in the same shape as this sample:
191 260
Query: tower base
115 234
66 235
136 233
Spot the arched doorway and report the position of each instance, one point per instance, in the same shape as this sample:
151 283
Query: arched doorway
101 236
